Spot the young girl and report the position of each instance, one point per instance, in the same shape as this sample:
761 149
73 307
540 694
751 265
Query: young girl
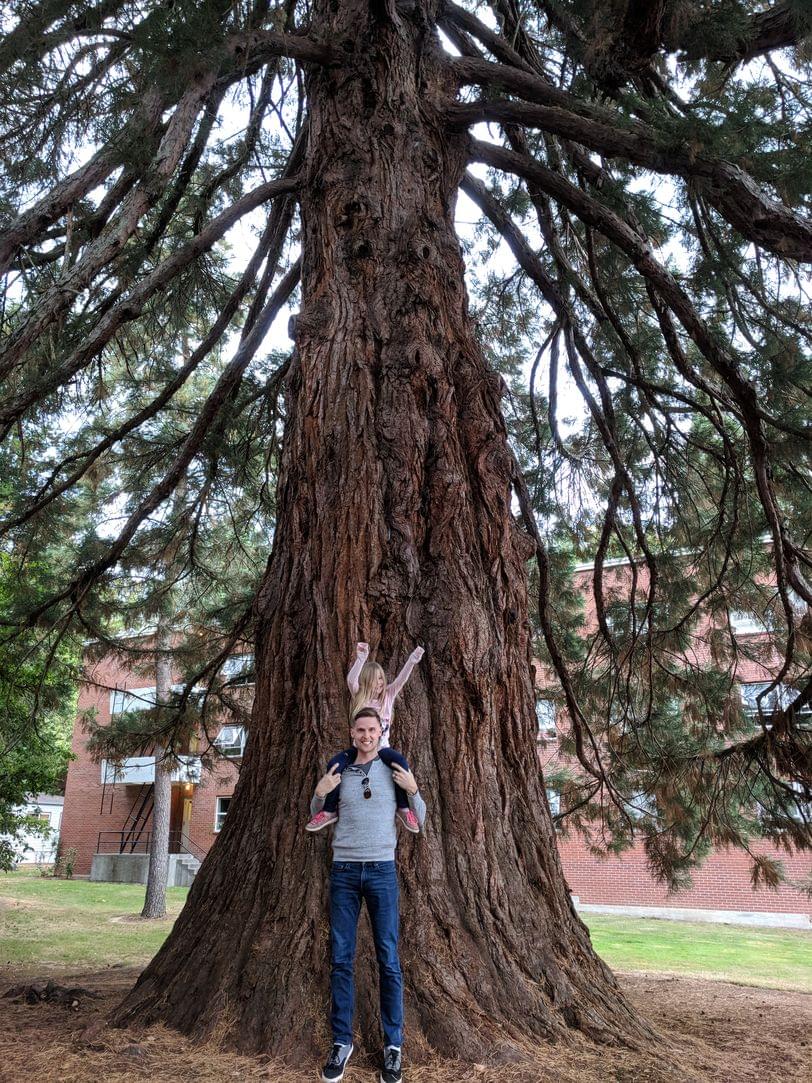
367 684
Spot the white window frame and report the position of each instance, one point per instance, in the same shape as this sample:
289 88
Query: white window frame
778 699
143 699
237 664
802 811
640 804
545 719
798 604
554 800
220 813
745 623
124 700
232 748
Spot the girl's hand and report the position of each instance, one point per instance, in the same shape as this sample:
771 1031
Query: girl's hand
417 654
327 783
362 649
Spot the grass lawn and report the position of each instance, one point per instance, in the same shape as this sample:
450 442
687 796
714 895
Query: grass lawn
72 923
772 958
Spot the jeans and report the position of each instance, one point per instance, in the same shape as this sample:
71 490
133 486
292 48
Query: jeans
347 757
376 883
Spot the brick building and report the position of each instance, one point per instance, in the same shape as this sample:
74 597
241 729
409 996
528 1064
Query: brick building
721 887
107 811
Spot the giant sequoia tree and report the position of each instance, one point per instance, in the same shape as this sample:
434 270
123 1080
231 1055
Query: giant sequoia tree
646 169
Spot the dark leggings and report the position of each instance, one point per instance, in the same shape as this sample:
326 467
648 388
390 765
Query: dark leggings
344 759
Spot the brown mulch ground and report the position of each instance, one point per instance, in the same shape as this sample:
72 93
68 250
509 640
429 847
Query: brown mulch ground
710 1031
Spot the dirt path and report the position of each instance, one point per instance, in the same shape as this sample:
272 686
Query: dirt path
711 1031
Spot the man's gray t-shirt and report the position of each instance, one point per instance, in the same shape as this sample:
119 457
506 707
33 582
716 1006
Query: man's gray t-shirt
366 828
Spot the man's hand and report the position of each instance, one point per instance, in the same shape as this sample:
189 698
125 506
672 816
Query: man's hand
418 653
404 779
362 649
327 783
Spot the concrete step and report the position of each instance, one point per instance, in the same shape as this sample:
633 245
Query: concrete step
189 862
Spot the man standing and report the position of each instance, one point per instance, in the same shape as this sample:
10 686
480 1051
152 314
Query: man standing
364 869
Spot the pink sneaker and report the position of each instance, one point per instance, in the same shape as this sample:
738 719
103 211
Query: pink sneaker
320 820
409 820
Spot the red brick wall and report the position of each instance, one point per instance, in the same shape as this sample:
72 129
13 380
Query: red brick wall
220 783
722 883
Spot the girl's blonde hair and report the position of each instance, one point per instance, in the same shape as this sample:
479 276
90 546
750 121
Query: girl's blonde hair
371 672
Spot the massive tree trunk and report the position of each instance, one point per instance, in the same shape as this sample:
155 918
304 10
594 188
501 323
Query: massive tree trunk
394 526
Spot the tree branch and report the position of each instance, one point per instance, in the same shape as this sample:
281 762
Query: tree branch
61 296
132 305
780 27
270 245
737 197
641 255
223 392
244 52
32 27
28 226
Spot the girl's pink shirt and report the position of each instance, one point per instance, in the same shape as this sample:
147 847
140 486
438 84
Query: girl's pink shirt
384 709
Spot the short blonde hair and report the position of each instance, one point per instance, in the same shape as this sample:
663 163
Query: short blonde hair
366 712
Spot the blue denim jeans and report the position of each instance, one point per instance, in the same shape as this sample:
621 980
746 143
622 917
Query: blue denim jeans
376 883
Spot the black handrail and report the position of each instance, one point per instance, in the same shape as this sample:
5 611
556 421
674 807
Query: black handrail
117 842
185 845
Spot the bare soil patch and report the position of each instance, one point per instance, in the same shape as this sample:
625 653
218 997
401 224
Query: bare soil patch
7 903
710 1030
136 919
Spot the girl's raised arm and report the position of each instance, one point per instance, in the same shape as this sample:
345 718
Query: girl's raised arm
406 672
361 655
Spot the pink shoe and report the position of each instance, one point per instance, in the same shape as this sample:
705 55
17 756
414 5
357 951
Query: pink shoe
320 820
409 820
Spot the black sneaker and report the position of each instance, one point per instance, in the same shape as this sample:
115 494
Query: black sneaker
336 1063
391 1071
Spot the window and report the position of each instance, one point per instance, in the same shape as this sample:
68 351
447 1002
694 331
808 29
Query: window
775 700
554 801
545 716
222 811
797 602
640 804
802 810
746 624
122 701
230 742
750 701
238 669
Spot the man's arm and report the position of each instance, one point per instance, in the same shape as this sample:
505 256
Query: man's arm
316 804
326 784
407 782
418 807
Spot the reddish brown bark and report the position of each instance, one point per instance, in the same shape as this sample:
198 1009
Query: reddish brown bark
395 526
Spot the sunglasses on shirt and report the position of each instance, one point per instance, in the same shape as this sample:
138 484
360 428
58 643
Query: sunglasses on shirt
367 787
